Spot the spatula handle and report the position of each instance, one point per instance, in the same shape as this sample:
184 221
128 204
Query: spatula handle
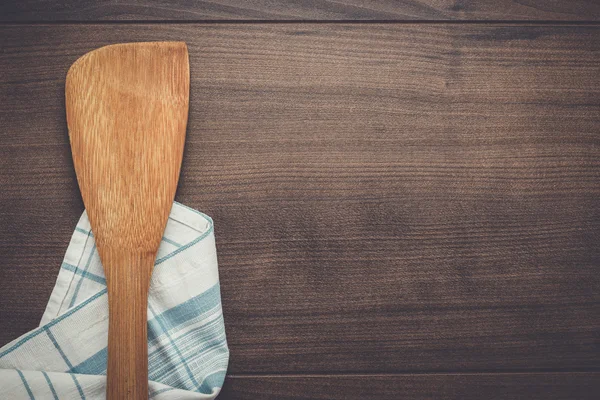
127 370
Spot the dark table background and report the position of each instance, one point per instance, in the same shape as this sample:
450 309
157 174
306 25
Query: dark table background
406 194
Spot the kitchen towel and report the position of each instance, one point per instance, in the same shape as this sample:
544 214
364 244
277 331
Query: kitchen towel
65 358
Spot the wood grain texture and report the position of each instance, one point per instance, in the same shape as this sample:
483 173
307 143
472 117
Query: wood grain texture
386 198
381 10
549 386
127 109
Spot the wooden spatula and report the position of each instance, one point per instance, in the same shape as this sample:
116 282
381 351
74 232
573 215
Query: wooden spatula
127 109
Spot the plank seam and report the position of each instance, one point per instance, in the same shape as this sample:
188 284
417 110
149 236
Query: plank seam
283 22
400 374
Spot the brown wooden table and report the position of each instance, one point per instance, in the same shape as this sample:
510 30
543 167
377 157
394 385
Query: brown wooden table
406 194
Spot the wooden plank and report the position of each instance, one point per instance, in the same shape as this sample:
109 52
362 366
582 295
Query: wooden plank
546 386
315 10
387 198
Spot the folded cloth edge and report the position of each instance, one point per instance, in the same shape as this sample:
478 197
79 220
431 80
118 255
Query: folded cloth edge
183 215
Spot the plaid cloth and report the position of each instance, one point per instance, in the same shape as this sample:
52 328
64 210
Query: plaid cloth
65 358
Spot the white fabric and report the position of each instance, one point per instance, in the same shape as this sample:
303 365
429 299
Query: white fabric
65 358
